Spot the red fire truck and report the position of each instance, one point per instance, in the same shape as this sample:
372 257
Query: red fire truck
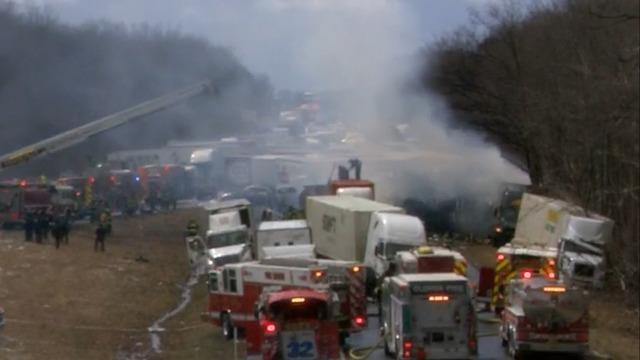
18 199
295 324
544 315
235 288
520 262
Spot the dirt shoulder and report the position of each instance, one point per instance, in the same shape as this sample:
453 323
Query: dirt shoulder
74 303
614 329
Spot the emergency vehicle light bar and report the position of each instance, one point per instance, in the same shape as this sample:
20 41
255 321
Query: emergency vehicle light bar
297 300
554 289
438 298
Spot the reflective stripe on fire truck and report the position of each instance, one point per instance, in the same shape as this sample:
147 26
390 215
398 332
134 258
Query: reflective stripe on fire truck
460 267
234 316
503 274
357 300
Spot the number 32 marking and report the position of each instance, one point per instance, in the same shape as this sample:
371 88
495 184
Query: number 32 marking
302 349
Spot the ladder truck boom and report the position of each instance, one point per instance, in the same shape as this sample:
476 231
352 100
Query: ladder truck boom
84 132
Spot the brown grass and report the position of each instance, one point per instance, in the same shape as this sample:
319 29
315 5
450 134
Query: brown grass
73 303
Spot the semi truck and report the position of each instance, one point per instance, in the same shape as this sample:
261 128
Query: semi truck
543 315
357 229
575 236
230 236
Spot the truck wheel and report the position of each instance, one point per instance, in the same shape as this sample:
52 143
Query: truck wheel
387 351
227 327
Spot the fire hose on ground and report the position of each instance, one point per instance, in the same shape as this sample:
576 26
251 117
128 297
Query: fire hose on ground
362 353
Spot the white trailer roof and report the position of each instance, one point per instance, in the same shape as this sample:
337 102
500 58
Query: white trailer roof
282 225
435 277
355 204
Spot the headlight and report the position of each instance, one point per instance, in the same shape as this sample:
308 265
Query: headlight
210 262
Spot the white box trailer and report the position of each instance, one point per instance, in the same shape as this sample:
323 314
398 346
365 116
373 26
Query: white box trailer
543 222
339 224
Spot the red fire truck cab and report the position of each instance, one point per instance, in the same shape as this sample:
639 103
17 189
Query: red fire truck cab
295 324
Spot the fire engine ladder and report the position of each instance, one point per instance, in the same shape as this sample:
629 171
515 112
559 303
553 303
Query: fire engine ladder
86 131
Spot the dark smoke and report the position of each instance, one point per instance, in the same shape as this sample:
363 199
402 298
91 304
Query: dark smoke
54 77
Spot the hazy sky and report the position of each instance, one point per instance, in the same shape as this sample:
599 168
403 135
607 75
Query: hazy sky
284 38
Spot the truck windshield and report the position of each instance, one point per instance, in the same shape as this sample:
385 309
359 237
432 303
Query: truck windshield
227 239
585 270
311 309
7 197
391 249
509 216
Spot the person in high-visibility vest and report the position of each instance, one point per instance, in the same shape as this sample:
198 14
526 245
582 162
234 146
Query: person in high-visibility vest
105 220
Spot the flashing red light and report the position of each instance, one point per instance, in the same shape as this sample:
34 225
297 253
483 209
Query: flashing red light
527 274
23 183
270 328
500 257
552 262
552 275
407 345
359 320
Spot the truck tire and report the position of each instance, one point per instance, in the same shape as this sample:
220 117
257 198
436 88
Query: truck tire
387 351
227 327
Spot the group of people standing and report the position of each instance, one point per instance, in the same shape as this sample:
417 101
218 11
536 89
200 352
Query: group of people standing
39 224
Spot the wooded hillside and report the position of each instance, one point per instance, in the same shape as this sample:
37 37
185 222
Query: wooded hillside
556 86
54 77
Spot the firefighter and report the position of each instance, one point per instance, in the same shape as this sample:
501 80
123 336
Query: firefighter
66 225
42 232
105 220
193 229
101 234
57 231
29 226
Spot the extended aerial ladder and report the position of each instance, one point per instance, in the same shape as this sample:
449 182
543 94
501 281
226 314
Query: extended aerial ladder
84 132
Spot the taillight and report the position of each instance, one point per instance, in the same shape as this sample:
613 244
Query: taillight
552 262
407 346
551 275
359 320
526 274
500 257
270 327
473 346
